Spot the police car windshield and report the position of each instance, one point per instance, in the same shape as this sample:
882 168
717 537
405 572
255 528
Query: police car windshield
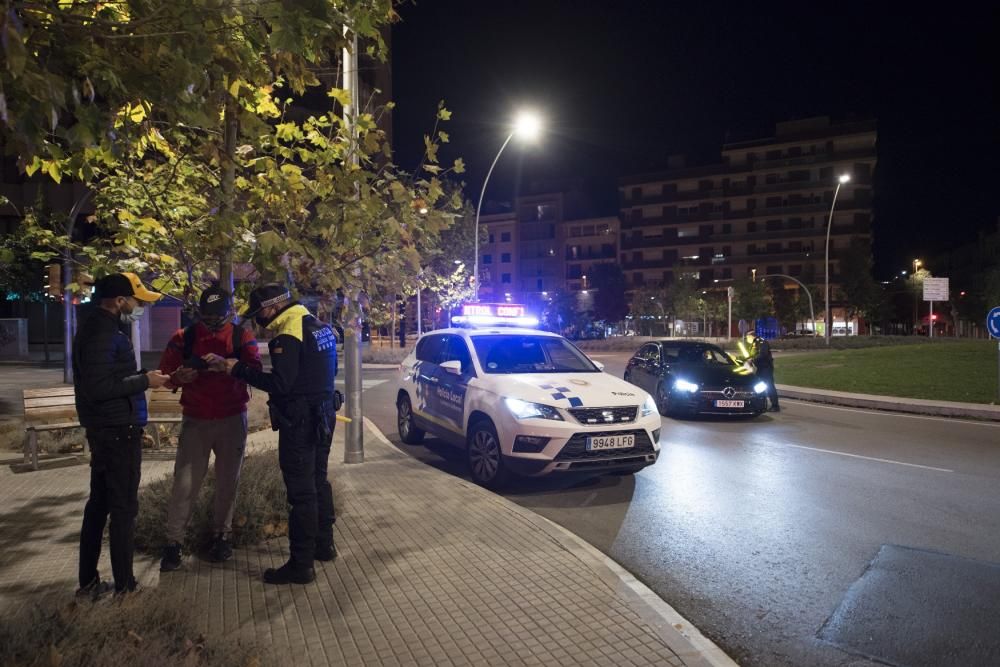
530 354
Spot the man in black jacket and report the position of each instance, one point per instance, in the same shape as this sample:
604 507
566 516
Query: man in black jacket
300 388
111 403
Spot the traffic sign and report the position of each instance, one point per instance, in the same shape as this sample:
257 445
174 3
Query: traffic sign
993 322
935 289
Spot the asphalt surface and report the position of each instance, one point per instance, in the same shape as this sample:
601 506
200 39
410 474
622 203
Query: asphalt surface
757 530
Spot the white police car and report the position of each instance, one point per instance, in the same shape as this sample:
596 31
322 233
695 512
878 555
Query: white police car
523 401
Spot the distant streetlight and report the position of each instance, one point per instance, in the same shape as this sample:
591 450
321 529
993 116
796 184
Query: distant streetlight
916 301
844 178
527 126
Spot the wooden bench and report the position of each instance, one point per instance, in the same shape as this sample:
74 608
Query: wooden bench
55 409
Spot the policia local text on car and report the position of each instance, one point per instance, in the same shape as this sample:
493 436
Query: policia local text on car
302 403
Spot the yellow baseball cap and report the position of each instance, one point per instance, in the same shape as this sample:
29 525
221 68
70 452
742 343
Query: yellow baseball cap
124 284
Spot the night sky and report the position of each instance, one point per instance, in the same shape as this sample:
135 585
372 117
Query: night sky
625 84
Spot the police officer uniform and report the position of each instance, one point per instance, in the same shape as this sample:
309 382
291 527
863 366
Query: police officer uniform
760 354
301 402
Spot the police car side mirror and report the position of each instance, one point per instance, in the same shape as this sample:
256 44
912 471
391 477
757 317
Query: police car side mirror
454 367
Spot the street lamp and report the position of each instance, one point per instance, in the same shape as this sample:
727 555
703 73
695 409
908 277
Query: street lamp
916 301
844 178
527 126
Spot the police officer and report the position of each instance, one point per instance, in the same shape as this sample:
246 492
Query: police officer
300 384
760 355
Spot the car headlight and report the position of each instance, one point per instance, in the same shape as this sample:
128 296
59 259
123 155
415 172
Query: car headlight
649 407
684 385
760 387
525 410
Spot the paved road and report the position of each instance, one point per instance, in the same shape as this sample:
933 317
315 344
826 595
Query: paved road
756 531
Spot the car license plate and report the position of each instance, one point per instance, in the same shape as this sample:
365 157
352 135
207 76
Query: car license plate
596 442
729 404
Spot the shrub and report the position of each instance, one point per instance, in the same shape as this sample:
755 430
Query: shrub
152 628
260 511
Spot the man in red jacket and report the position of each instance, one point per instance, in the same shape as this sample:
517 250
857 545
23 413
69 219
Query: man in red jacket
215 420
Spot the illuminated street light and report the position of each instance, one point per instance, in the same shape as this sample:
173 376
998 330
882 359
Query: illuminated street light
916 302
527 126
844 178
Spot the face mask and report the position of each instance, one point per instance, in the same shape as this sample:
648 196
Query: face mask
215 323
134 316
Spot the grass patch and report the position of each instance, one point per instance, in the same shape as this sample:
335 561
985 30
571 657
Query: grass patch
963 371
149 628
261 510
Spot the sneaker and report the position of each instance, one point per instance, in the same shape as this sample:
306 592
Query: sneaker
131 587
221 549
326 554
171 557
93 591
289 574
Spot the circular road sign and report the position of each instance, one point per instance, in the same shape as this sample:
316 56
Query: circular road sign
993 322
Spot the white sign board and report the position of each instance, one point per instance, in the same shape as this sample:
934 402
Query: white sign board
935 289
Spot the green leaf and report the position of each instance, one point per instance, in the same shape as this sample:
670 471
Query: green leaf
443 136
341 95
459 166
443 114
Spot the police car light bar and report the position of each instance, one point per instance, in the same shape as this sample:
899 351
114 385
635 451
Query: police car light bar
491 314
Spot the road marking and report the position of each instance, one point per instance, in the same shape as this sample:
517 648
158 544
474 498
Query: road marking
869 458
890 413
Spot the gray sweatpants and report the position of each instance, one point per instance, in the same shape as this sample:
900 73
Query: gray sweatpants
226 437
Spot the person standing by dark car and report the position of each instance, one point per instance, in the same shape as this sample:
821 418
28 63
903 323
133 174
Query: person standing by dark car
111 404
760 355
300 386
215 421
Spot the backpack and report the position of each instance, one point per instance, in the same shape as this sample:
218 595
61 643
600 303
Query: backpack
189 336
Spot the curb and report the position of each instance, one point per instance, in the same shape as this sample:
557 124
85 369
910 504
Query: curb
893 403
679 634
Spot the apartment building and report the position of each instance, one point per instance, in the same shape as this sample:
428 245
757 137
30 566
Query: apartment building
499 258
762 209
588 243
546 244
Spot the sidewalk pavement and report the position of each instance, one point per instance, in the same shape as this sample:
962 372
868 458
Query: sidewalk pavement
432 570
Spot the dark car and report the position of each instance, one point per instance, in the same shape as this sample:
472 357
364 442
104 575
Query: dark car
692 378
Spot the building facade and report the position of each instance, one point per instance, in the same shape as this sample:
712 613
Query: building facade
763 209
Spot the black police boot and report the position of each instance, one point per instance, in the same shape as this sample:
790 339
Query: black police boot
130 587
221 549
171 559
289 574
326 553
94 591
775 408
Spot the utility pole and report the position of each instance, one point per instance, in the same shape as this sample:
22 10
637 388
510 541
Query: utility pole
354 446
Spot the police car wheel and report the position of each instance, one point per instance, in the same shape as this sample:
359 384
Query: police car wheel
486 463
408 431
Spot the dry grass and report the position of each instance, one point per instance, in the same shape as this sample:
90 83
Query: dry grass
151 628
261 509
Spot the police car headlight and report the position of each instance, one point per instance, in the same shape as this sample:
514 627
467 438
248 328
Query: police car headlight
684 385
649 407
525 410
760 387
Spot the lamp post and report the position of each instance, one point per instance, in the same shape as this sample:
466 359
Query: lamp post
528 126
812 313
916 295
844 178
